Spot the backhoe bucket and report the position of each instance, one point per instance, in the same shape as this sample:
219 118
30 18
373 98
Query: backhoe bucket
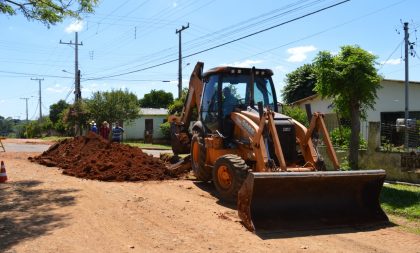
276 201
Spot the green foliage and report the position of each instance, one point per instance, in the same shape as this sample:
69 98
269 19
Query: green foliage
300 83
48 12
165 128
76 114
56 109
38 128
296 113
113 106
56 116
341 137
349 78
156 99
402 200
6 125
175 108
33 129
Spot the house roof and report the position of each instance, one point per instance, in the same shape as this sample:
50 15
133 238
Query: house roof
153 111
316 95
305 99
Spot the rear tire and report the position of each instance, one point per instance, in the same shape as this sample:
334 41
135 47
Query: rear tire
198 158
229 173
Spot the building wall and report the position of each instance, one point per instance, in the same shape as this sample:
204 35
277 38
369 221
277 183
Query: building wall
391 98
135 130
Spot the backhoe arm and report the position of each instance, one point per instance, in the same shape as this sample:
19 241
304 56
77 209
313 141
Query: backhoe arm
180 138
193 99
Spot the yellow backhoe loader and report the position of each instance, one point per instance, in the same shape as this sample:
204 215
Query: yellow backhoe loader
267 161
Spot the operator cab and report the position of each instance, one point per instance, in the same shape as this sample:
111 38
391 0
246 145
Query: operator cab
229 89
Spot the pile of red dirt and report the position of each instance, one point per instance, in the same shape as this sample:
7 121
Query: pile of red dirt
92 157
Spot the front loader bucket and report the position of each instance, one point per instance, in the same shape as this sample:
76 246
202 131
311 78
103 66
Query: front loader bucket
275 201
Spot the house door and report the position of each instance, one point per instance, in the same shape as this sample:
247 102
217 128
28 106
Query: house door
149 126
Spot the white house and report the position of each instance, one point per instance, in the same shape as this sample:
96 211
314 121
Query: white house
389 105
149 120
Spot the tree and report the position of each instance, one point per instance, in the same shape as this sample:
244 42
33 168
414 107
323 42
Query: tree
296 113
176 106
56 109
300 83
75 116
113 106
6 125
351 80
156 99
48 12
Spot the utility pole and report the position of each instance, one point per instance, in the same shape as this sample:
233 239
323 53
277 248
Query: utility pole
26 108
40 96
406 42
180 59
77 91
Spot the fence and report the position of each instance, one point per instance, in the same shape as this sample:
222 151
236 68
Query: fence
394 135
332 123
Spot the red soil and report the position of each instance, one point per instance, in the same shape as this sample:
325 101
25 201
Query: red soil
92 157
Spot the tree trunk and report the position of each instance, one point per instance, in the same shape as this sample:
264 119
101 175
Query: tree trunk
354 137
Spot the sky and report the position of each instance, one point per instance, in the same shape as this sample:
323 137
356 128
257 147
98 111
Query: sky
132 44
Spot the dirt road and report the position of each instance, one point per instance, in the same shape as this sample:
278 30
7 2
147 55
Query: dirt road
42 210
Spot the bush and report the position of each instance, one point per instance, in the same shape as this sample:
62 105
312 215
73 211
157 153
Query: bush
341 138
165 128
296 113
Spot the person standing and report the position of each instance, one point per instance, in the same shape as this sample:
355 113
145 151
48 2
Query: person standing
117 133
94 128
104 130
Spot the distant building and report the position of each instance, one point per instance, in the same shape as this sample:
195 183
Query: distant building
389 106
149 121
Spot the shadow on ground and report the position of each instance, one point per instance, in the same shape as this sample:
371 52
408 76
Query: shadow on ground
27 212
276 234
209 187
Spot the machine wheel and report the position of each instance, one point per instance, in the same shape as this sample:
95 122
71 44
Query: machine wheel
229 172
198 158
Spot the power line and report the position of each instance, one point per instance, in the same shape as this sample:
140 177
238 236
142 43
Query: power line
32 74
36 109
225 33
396 48
225 43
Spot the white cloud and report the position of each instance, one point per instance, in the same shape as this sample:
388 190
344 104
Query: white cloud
243 64
392 61
76 26
280 68
299 54
91 88
58 89
174 4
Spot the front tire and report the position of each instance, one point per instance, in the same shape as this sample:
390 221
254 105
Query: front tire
229 173
198 158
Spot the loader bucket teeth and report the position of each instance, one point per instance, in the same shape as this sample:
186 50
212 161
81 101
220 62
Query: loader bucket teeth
276 201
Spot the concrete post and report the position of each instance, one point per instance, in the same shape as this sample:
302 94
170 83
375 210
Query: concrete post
374 136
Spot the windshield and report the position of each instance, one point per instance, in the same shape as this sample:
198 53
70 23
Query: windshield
238 85
263 92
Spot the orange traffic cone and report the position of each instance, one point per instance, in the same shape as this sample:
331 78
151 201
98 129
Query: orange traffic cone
3 175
